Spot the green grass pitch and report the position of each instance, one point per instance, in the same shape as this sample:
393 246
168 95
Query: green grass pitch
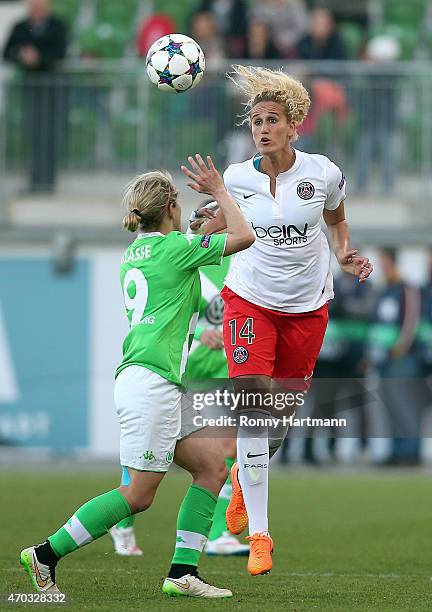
342 542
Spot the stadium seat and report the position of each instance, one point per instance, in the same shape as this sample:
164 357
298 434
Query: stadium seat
119 14
103 41
407 37
404 12
353 35
180 12
67 10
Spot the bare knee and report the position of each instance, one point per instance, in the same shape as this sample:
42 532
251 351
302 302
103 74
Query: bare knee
138 500
214 472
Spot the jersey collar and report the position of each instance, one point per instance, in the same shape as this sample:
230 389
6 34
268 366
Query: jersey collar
149 235
294 167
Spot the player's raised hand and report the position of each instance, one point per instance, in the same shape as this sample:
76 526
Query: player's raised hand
355 264
212 338
205 178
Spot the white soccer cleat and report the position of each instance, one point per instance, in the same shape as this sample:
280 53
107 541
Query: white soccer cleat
38 573
125 542
192 586
226 545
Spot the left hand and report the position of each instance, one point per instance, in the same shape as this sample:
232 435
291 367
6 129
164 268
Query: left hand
355 264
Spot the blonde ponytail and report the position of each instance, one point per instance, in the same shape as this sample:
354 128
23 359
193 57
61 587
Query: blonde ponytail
146 200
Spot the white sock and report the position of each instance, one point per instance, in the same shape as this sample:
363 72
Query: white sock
276 437
253 462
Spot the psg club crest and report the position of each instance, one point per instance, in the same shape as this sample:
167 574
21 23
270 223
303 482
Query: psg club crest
305 190
240 354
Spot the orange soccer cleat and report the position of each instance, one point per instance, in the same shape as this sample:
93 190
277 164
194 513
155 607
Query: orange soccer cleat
236 514
260 555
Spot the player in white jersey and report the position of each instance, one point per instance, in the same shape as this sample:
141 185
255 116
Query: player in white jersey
277 291
161 285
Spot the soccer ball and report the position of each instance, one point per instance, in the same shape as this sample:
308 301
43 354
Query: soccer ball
175 63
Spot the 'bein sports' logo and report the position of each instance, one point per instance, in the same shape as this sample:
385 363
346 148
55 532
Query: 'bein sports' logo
282 234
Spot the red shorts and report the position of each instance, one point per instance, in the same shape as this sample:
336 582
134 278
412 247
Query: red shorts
271 343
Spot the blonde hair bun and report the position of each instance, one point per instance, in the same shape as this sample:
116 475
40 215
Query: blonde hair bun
146 199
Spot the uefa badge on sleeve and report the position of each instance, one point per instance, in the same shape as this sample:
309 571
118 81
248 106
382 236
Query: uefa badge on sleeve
240 354
205 241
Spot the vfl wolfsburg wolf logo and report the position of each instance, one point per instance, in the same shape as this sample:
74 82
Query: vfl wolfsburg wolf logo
214 311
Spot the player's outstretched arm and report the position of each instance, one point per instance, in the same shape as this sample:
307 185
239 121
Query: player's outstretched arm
348 258
206 179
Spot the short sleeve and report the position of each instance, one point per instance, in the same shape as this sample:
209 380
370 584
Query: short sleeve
227 179
335 186
191 252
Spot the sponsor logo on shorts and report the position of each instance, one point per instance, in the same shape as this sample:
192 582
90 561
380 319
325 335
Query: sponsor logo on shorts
169 457
305 190
148 456
342 182
205 241
240 354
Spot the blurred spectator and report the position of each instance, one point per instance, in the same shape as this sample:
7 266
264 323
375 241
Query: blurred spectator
35 46
259 45
151 29
287 19
424 332
376 102
328 99
392 352
231 17
204 29
322 42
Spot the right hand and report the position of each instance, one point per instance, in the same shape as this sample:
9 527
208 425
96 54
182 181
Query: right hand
205 179
200 216
212 338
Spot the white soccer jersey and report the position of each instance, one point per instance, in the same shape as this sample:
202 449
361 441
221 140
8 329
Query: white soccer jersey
288 266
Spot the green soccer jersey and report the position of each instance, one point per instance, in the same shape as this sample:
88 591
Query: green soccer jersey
161 286
203 362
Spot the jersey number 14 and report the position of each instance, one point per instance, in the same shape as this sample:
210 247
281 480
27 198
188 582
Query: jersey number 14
246 331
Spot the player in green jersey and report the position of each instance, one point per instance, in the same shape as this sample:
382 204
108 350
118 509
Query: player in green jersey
206 361
161 285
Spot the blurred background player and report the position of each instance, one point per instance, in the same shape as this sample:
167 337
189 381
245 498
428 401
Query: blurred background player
340 368
394 355
206 361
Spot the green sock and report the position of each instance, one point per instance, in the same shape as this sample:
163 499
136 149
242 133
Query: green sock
90 522
127 522
193 524
219 520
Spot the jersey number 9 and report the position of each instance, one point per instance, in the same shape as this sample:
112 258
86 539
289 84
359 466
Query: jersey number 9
138 302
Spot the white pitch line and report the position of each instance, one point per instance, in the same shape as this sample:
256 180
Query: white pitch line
120 570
